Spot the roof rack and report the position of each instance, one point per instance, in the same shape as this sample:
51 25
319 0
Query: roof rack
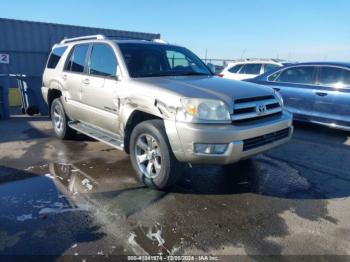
88 37
160 41
259 59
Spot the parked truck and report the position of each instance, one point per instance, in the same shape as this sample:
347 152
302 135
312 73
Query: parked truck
159 103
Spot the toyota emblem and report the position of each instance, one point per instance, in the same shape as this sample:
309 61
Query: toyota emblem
261 109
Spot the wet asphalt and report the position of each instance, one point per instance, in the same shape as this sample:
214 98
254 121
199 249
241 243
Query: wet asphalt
82 198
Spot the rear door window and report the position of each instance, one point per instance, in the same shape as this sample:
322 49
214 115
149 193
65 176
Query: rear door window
297 75
251 69
102 61
55 56
333 76
235 69
77 58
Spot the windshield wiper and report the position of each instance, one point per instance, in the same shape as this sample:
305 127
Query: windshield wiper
193 74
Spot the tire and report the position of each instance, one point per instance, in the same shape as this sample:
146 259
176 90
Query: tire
168 173
60 121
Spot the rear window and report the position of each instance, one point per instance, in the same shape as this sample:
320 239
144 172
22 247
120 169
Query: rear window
55 56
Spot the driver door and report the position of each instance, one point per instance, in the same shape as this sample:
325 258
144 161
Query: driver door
100 88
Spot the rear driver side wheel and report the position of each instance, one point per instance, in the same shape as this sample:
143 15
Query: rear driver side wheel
152 156
60 121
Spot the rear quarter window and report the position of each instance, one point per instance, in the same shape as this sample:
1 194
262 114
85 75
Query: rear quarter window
55 56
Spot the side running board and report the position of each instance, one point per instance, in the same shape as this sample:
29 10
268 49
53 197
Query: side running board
97 134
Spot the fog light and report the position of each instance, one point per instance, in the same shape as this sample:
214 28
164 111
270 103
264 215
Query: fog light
210 148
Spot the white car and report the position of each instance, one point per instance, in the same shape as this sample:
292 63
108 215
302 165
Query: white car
248 69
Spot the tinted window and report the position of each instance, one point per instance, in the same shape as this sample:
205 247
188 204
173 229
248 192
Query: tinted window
251 69
152 60
77 58
55 56
274 76
235 69
332 76
102 61
270 67
298 75
176 59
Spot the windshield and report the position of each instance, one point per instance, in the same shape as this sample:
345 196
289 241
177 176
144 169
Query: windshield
151 60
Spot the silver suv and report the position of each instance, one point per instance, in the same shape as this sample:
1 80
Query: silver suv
159 103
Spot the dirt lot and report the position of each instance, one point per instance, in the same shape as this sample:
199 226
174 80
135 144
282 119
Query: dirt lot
82 198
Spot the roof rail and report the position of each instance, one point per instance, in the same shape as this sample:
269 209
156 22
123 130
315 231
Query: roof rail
88 37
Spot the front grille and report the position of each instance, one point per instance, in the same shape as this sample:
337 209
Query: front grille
253 99
258 118
255 142
254 108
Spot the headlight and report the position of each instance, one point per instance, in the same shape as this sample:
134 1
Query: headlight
279 98
197 110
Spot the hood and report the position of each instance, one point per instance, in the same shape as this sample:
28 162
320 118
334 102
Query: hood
210 87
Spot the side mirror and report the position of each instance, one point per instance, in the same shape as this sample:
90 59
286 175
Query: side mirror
211 67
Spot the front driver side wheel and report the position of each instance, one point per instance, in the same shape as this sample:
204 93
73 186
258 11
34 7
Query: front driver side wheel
152 156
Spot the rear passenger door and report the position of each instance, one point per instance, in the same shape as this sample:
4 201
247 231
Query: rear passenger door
73 75
296 85
100 88
333 94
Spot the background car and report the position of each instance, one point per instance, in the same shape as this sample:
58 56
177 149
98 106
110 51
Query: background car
314 92
249 68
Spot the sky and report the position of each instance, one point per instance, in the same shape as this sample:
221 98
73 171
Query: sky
298 30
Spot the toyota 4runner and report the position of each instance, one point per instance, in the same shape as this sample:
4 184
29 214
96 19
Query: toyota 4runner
159 103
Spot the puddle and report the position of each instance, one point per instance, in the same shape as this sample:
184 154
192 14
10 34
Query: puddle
261 175
277 178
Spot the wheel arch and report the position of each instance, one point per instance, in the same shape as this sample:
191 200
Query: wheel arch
52 94
136 117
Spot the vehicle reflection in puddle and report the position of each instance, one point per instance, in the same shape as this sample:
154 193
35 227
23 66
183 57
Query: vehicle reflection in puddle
113 198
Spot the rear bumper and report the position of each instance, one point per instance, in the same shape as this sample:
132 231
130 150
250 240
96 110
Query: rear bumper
44 92
183 136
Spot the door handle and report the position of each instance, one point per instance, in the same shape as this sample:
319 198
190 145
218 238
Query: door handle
277 89
86 81
64 77
321 93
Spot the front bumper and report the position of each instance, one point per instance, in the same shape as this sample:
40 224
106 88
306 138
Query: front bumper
182 137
